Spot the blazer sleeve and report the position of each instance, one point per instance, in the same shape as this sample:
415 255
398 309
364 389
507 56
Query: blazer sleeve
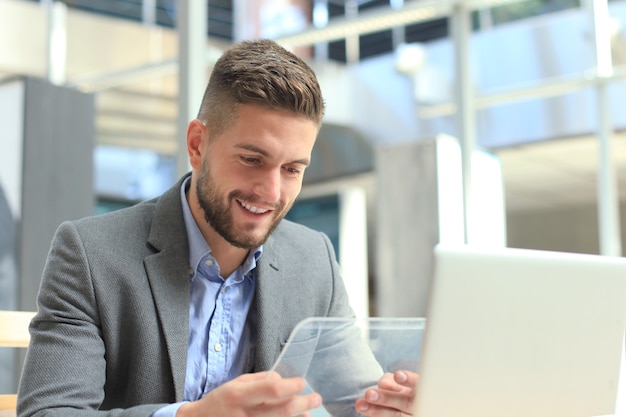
65 366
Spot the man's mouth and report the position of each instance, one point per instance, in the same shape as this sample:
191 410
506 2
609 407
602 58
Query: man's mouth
251 208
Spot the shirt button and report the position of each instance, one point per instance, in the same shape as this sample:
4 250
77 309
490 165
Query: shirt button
217 347
209 262
223 290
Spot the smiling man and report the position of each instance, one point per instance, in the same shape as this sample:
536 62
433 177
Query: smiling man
248 176
179 305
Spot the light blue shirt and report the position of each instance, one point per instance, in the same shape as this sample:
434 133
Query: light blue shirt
221 342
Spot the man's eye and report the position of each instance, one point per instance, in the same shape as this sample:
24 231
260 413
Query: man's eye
250 159
293 170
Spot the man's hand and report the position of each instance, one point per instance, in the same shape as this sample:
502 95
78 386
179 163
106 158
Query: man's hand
260 394
394 396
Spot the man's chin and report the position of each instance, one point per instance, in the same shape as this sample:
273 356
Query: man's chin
252 235
249 240
248 244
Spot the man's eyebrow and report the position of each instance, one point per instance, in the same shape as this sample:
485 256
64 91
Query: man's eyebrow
256 149
252 148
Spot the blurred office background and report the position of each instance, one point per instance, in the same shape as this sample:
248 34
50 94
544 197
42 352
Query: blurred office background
491 122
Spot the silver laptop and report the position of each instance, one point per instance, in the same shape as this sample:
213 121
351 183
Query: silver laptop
522 333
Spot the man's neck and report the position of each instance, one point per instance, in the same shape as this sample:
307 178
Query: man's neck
227 256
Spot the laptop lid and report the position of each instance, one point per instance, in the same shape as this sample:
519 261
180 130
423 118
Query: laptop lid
519 333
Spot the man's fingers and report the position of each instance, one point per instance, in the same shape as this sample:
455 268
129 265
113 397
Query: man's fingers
303 403
263 394
406 378
273 390
295 406
258 376
393 396
400 381
389 400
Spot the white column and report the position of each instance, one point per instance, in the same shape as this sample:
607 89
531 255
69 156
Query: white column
57 41
352 41
465 107
192 20
320 20
148 12
608 201
353 248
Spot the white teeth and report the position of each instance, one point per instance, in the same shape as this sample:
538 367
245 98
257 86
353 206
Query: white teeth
255 210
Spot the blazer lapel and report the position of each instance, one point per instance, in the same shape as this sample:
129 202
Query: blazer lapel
168 273
268 304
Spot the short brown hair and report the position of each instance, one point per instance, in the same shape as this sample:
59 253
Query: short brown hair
264 73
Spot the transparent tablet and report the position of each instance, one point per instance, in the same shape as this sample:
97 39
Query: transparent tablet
341 357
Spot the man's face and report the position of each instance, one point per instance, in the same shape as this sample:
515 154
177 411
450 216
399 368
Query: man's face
252 173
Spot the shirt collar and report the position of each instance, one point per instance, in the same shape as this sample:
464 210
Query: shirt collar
198 247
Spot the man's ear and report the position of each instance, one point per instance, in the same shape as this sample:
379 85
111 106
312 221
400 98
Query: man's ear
196 136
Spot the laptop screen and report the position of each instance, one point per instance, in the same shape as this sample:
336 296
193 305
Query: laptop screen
514 333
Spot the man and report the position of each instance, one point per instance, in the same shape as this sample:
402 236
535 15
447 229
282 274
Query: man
178 306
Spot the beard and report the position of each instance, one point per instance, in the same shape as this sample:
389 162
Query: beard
219 216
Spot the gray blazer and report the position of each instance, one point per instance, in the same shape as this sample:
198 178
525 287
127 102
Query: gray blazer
110 336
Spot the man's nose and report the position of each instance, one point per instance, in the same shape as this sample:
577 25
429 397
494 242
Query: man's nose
267 185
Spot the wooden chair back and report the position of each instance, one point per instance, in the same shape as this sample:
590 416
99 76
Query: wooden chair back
13 334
